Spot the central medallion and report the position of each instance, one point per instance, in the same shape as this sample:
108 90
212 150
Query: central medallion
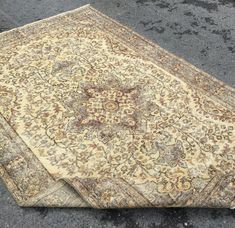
111 106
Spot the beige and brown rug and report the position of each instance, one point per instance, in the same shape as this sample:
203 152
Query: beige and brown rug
94 115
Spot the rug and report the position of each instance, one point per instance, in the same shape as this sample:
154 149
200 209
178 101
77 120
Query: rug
95 115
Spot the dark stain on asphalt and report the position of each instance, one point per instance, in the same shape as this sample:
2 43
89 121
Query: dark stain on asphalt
204 27
163 5
179 30
156 29
209 6
204 51
227 2
142 2
43 211
171 218
149 22
151 26
210 21
159 3
188 14
231 49
215 214
120 217
174 25
194 24
221 214
225 33
174 217
187 31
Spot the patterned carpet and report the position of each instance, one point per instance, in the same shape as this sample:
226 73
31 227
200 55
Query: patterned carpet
163 7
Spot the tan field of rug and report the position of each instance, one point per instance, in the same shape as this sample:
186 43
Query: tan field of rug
94 115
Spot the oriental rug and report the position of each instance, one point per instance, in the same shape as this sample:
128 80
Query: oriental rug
95 115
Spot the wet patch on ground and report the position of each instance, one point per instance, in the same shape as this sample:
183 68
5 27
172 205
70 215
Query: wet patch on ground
120 217
227 3
152 26
175 218
209 6
43 211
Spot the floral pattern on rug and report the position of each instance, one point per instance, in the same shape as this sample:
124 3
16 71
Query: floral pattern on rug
90 105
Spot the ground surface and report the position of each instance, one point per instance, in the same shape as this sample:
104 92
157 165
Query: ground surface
200 31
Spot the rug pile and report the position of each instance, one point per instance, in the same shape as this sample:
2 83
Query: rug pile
94 115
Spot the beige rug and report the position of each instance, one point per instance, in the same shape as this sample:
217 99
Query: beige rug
94 115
